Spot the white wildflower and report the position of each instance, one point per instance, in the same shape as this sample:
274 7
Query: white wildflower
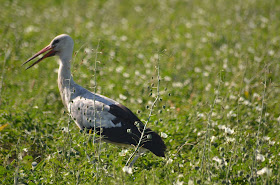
188 24
89 25
232 97
119 69
229 131
65 129
177 84
155 40
200 133
260 157
230 139
31 28
191 182
241 99
187 82
169 161
140 56
203 39
214 123
271 142
246 102
139 100
167 78
258 119
208 86
206 74
123 152
251 50
200 115
213 139
217 159
137 73
218 100
226 107
197 70
123 38
265 170
271 52
258 108
112 53
138 9
231 114
255 95
178 182
122 97
225 66
156 56
126 75
221 127
127 169
214 114
163 135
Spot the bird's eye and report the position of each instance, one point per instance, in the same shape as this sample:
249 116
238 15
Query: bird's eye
55 41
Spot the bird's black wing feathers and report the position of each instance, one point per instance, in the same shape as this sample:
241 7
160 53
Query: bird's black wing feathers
130 131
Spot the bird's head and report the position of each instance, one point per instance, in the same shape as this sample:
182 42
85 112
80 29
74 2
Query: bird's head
61 45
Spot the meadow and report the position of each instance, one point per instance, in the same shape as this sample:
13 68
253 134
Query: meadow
214 66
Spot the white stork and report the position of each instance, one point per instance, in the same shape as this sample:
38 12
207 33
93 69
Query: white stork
112 120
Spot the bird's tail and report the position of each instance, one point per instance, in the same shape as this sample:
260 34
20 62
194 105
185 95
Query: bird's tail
153 142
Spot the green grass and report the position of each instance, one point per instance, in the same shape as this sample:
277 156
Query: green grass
219 90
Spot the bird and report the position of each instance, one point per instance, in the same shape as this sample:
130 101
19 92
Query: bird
114 122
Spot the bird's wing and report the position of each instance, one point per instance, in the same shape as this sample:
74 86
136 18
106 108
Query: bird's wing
118 123
89 113
115 122
131 130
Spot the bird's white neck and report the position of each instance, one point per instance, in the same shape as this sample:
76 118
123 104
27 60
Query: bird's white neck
65 81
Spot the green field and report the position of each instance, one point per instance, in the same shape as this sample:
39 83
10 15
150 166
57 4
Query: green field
219 90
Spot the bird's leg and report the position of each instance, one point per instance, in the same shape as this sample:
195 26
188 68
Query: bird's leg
128 168
137 155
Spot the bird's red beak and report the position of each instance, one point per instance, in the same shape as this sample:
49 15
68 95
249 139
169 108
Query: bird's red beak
49 54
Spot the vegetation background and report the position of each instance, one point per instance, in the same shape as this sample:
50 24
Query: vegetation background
219 90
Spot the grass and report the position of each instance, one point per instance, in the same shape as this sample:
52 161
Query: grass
218 96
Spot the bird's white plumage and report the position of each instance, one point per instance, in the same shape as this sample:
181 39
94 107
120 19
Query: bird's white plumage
92 111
